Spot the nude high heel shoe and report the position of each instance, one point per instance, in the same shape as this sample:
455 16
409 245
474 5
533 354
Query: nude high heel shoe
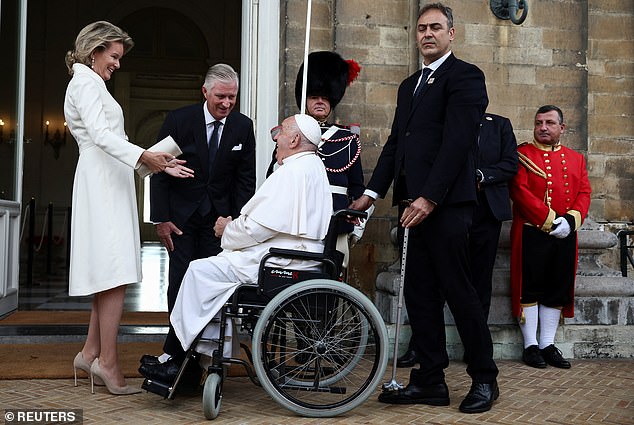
80 363
95 372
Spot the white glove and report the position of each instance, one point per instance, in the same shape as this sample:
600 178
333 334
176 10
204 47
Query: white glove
358 230
562 230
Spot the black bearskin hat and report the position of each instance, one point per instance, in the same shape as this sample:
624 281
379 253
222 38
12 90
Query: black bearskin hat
328 76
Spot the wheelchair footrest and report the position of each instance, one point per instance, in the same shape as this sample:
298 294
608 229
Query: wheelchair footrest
157 387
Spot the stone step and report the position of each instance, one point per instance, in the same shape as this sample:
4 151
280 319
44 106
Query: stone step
574 341
41 334
603 326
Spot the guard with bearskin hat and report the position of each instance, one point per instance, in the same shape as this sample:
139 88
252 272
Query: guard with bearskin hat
340 150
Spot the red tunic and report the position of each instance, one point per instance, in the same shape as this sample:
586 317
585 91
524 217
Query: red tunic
550 181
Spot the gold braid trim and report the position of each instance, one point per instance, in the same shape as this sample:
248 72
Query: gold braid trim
548 224
577 215
531 166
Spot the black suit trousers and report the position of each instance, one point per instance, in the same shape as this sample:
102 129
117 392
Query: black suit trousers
483 246
438 272
197 241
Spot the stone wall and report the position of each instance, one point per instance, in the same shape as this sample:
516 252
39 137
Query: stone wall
610 68
577 54
603 325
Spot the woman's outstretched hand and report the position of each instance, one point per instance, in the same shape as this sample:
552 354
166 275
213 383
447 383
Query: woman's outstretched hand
157 161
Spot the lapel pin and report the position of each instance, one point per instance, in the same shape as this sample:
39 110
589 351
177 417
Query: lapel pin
430 81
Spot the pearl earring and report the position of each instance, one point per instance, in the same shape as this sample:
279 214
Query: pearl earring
92 63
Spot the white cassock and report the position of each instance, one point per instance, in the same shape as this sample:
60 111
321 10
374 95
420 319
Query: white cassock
291 210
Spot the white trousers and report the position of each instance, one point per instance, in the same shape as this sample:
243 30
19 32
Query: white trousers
207 285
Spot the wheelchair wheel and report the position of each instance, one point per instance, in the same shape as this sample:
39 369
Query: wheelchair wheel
320 348
212 396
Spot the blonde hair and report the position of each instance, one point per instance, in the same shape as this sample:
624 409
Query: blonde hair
96 36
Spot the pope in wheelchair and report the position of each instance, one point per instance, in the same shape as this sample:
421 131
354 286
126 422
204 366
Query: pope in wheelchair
319 346
291 209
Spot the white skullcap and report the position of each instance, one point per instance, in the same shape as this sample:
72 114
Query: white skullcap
309 128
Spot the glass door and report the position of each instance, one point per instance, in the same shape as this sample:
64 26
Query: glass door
13 42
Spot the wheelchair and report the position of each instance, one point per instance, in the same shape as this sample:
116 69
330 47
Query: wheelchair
319 347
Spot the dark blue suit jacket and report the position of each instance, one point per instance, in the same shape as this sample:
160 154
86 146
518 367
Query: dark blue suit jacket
497 160
433 141
232 180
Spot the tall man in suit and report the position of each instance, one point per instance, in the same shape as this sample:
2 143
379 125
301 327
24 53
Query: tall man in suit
430 158
496 165
219 145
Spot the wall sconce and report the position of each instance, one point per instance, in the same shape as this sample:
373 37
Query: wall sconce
57 141
509 9
3 128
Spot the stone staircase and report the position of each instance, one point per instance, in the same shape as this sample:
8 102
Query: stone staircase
603 326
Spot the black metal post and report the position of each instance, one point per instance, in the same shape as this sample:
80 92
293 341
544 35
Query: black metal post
624 250
622 247
49 238
30 247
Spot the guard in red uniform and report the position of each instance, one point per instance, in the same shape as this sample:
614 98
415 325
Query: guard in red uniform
551 197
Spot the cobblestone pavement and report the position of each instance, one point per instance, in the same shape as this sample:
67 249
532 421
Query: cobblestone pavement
592 392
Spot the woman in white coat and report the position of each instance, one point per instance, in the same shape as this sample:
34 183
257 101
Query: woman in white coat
105 251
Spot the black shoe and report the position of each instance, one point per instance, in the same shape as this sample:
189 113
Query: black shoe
162 372
533 358
409 359
433 395
553 357
149 359
166 372
480 398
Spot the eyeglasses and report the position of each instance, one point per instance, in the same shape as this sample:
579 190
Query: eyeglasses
275 131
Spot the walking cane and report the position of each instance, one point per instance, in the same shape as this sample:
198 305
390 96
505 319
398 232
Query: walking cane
393 385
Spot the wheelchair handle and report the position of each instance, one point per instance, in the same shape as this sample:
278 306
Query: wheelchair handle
350 213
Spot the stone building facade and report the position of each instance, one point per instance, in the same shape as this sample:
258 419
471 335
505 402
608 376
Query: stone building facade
577 54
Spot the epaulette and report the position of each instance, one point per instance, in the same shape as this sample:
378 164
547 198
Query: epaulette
338 133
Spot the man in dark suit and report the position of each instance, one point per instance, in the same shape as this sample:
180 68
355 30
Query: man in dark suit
497 165
430 158
219 145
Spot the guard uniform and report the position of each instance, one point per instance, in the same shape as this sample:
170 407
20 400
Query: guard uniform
552 181
340 152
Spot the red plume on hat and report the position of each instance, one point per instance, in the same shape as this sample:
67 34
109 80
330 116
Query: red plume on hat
328 75
353 70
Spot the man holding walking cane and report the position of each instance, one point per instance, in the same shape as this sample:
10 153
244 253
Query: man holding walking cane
429 156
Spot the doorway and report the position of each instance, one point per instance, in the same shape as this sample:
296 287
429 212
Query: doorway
175 43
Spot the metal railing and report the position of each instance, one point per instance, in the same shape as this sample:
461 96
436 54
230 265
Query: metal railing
46 238
625 249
